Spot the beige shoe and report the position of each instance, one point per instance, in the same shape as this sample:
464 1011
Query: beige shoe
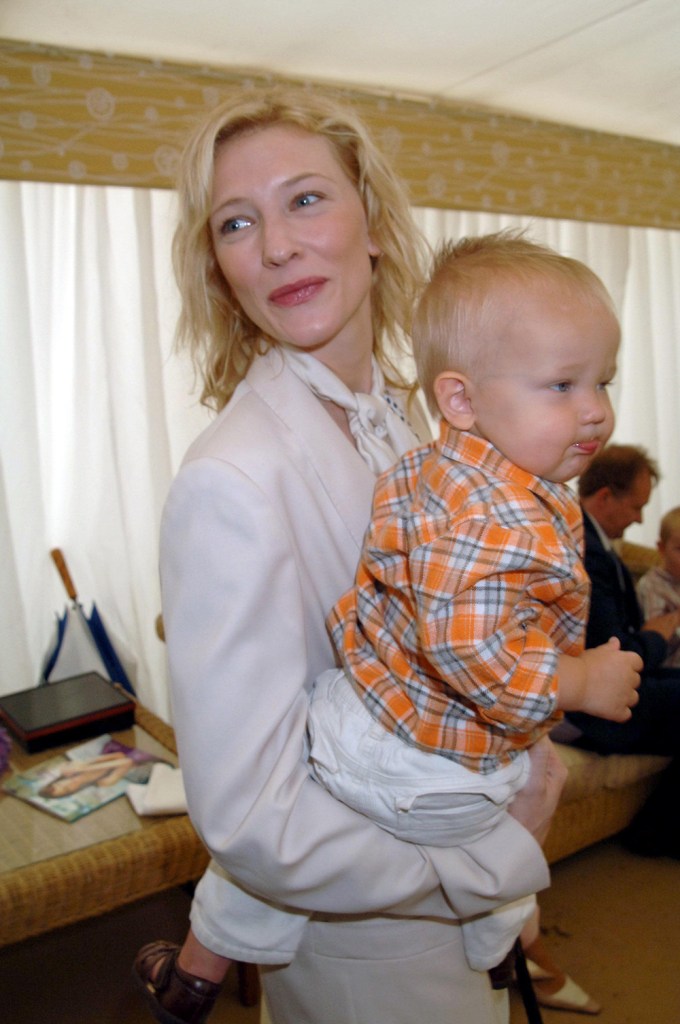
569 997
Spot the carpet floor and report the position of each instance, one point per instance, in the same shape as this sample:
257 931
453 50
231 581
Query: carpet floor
612 920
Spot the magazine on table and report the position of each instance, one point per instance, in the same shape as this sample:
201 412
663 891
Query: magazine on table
83 779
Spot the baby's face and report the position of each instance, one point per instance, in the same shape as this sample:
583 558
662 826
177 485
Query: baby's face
544 399
670 554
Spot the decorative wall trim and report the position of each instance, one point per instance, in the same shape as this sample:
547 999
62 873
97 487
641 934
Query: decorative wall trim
74 116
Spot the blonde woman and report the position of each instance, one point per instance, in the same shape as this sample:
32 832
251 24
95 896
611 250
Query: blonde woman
298 265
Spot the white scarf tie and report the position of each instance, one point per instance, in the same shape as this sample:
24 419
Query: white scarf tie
381 435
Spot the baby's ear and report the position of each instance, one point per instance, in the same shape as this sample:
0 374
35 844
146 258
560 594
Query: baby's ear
452 391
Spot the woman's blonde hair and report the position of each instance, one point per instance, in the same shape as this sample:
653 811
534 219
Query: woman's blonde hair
458 323
220 337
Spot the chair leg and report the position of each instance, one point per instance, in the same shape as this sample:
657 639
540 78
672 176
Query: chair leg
248 983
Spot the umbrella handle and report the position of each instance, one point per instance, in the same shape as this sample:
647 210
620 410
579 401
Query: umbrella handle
60 562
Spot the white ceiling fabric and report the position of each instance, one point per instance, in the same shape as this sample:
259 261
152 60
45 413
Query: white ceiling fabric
609 65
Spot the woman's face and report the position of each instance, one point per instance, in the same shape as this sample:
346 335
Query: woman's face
291 238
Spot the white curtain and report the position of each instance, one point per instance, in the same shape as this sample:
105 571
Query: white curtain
96 410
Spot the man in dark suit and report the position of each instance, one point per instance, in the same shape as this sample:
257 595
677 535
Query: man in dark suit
613 492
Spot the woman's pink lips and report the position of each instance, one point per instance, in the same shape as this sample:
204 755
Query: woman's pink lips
297 292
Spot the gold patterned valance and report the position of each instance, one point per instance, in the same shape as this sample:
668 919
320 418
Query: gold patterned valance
72 116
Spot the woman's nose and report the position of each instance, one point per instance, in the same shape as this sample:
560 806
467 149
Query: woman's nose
278 244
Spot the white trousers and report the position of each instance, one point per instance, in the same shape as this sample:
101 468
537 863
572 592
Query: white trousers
347 970
381 971
419 796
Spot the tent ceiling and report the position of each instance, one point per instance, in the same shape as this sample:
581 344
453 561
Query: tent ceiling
609 65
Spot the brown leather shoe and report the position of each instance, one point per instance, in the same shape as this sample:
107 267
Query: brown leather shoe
174 996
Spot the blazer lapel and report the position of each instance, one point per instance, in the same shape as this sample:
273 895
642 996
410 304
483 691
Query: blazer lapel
629 603
339 469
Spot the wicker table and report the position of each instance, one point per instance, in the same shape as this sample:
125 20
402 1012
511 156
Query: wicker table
53 873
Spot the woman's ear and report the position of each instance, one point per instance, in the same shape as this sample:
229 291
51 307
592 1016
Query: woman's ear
373 250
452 391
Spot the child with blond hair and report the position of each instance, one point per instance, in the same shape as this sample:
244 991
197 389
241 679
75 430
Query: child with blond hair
462 640
659 589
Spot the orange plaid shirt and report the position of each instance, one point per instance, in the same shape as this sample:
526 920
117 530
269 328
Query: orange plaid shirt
470 584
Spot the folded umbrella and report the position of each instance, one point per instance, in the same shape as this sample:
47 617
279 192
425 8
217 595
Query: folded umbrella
82 642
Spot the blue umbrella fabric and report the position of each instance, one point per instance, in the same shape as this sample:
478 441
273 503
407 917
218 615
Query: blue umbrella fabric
82 642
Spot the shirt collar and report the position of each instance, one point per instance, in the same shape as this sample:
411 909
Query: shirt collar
476 451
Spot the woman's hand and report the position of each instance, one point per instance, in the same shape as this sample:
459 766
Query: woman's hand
535 804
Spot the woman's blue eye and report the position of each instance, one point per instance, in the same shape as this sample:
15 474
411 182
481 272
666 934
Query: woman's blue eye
306 199
233 225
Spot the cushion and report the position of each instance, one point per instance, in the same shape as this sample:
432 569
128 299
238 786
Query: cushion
589 772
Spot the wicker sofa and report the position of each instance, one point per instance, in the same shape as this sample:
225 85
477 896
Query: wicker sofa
603 793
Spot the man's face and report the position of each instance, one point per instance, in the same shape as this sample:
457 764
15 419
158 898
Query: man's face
620 510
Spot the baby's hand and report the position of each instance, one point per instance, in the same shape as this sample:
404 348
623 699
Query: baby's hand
612 679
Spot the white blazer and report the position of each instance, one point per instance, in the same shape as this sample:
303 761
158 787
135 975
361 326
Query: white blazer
260 536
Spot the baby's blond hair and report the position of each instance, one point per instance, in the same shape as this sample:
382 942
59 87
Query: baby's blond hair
456 324
670 524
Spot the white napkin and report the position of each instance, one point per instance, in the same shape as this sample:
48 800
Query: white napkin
162 794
